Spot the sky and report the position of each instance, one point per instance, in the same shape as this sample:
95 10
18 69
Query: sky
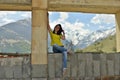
84 22
12 16
72 22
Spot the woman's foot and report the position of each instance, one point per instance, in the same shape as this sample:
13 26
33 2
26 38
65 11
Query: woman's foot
69 52
64 71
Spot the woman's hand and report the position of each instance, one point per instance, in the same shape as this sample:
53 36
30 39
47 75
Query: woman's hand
63 35
63 32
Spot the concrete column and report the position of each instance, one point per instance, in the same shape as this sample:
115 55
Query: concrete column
39 31
39 39
117 15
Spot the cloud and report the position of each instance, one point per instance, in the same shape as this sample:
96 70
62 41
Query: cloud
12 16
63 15
77 25
103 19
61 20
4 17
4 13
26 14
8 20
101 27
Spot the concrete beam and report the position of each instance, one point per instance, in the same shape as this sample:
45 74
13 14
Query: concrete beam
27 2
90 6
15 7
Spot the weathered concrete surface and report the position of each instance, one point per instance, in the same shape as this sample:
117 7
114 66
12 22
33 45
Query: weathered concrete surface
85 66
16 68
89 6
16 2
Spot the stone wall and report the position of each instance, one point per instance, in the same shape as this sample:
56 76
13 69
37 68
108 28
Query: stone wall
86 66
81 66
15 68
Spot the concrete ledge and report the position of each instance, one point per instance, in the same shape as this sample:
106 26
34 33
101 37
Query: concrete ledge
81 66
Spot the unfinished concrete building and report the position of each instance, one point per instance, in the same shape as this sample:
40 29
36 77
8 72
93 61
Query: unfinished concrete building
43 66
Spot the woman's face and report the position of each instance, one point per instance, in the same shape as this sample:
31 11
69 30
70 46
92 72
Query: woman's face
57 28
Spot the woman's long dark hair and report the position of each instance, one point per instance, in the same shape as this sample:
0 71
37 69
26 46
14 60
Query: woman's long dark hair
60 30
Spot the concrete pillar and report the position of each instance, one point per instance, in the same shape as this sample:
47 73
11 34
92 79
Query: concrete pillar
117 15
39 39
39 31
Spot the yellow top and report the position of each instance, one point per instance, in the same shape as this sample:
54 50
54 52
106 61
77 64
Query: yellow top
55 39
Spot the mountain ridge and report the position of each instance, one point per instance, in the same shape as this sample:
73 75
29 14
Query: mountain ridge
15 37
20 31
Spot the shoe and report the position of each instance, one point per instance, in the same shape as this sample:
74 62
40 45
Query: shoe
70 52
64 71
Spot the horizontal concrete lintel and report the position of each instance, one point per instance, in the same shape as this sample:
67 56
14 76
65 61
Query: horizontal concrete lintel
15 1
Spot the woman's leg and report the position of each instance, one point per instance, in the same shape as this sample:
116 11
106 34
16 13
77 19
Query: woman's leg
62 50
59 48
64 63
64 59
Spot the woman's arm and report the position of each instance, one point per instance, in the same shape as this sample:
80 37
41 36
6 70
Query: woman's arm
48 25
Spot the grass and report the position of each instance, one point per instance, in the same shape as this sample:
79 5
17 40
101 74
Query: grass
107 45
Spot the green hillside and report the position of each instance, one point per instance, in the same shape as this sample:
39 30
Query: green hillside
15 37
19 47
107 45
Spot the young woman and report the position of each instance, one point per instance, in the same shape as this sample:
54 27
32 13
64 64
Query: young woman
56 35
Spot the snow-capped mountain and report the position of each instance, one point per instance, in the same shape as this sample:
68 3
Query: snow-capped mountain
83 41
75 36
95 36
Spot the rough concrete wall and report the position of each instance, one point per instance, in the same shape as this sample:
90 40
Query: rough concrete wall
87 66
15 68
